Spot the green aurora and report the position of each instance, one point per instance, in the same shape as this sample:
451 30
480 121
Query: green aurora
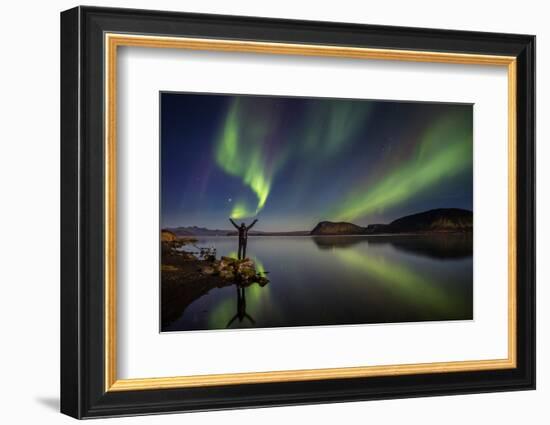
242 149
444 150
240 153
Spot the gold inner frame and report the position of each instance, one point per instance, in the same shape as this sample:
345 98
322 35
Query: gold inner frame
113 41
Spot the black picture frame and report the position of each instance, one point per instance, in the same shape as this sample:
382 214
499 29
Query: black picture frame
83 392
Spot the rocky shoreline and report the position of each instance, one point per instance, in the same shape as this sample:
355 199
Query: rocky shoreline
187 276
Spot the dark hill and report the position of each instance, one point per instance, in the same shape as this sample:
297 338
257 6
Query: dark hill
439 220
341 228
442 220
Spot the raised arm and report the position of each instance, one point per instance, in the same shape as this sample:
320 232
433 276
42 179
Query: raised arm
253 223
233 223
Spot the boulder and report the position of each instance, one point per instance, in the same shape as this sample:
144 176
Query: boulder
167 236
242 271
208 270
227 274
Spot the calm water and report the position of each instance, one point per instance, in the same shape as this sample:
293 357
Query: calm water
336 280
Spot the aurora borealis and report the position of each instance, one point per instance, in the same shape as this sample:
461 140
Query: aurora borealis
292 162
238 153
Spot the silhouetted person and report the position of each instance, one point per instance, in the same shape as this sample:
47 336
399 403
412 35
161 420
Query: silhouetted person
243 236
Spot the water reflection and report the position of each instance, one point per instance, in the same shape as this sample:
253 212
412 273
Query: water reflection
405 283
434 246
241 308
334 281
331 242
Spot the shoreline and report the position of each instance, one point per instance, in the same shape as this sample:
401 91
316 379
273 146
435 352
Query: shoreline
334 235
185 277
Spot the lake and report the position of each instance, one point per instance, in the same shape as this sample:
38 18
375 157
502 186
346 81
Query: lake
339 280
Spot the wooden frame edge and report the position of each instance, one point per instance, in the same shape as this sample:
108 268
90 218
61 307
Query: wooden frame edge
114 40
137 384
512 212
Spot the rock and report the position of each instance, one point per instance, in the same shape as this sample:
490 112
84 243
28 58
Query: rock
228 260
227 274
208 270
225 263
168 268
245 265
167 236
247 274
241 271
247 262
222 265
261 280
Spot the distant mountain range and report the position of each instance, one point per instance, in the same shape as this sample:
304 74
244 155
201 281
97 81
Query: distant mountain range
197 231
203 231
442 220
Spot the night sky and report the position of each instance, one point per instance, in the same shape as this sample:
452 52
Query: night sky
292 162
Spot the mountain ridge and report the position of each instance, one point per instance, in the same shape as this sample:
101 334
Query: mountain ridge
439 220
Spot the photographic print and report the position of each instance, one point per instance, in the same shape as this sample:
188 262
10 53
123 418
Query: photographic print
301 211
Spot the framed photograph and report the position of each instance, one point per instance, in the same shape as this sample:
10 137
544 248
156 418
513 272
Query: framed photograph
261 212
